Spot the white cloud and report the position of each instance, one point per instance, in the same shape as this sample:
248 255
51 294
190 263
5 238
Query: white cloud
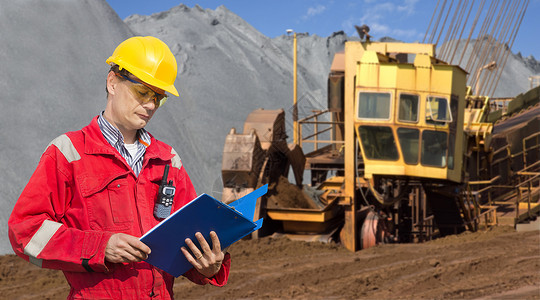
406 34
408 7
380 17
313 11
380 29
377 12
387 10
348 25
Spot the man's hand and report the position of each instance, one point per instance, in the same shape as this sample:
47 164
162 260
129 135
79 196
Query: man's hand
125 248
208 262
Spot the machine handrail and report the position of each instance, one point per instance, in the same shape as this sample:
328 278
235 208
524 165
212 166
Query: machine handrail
317 132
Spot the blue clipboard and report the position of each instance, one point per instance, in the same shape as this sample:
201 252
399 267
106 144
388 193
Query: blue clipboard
203 214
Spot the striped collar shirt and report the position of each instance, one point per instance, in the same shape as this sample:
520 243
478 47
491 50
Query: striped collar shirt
116 139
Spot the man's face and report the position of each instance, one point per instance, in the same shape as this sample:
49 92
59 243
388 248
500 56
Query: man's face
132 105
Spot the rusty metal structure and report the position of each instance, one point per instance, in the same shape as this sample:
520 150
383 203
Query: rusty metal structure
406 151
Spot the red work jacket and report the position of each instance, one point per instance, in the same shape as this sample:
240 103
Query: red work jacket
81 193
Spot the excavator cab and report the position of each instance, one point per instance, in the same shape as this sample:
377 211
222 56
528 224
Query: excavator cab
406 116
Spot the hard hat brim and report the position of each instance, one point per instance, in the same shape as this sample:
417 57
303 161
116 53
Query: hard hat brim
145 77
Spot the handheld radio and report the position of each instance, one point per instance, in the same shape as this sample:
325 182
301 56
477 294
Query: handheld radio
164 202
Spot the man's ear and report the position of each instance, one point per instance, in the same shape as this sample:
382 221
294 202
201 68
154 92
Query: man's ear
112 83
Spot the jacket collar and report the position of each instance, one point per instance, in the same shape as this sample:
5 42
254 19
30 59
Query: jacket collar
95 143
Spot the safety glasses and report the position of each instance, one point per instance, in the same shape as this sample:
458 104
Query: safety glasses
144 92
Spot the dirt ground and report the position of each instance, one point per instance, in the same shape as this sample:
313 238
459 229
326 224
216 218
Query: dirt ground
495 264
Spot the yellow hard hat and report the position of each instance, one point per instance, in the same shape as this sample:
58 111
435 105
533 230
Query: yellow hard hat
149 59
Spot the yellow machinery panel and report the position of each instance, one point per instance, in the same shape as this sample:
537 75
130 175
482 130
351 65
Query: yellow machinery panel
406 115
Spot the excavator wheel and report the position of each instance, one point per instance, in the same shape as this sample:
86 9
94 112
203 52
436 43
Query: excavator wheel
373 231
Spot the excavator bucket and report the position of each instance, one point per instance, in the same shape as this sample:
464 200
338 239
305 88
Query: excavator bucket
241 164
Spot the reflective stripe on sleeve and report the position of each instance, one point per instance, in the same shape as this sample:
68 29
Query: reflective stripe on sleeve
64 144
40 239
175 161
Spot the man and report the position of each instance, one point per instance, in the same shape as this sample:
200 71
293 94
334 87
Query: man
94 190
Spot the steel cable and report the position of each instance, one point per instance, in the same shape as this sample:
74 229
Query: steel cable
500 22
448 30
473 27
490 48
517 24
479 48
444 23
430 21
436 26
499 48
451 58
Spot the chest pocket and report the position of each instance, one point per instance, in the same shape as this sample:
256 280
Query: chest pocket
111 207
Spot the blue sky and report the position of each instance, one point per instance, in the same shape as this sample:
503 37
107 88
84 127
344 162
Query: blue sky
406 20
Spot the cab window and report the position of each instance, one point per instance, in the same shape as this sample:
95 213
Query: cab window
408 108
434 146
408 139
378 142
437 111
374 105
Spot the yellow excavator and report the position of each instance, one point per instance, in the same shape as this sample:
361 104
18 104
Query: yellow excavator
404 152
411 154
